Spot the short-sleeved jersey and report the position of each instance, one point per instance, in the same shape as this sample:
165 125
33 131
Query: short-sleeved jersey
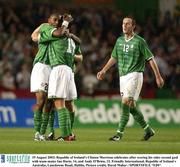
60 50
131 54
70 54
42 55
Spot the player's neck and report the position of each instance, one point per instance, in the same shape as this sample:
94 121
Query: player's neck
129 36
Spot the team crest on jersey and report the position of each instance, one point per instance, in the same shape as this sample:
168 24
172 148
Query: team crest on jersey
132 46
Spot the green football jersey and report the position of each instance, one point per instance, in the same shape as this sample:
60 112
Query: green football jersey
60 50
70 56
42 55
131 54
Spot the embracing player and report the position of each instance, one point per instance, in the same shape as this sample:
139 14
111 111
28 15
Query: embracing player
41 71
55 54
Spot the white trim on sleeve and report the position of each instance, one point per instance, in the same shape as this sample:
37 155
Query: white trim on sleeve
150 58
53 30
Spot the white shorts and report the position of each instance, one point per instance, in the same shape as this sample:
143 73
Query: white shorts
61 83
40 77
131 85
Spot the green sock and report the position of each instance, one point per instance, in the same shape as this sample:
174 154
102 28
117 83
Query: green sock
51 121
45 118
37 120
72 115
148 128
124 119
138 116
64 122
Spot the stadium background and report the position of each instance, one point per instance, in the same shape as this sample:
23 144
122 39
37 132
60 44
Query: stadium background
98 24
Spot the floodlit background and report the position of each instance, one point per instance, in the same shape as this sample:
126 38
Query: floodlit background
98 24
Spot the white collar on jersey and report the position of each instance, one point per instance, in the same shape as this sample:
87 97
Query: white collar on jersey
127 40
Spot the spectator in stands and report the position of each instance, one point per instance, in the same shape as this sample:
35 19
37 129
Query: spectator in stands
90 82
176 81
8 80
96 27
5 64
23 77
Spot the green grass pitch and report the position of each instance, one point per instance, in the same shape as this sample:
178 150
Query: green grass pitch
90 141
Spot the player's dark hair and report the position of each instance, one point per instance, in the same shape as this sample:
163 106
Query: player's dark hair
54 14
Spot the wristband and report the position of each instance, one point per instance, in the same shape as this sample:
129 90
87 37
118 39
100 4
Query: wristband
65 23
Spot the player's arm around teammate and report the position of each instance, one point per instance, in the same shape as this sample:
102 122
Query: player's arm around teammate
40 76
57 62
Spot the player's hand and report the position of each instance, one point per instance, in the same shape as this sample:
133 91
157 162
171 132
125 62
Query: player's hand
69 35
101 74
66 32
160 82
67 17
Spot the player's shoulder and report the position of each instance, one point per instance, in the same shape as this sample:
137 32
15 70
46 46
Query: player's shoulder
120 38
139 38
43 25
46 26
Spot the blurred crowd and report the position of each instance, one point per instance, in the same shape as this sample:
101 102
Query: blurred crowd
98 28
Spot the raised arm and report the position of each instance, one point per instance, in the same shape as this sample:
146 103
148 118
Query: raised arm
159 79
109 64
60 31
53 33
35 34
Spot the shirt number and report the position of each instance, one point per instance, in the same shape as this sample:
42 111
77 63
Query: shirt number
126 48
71 46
